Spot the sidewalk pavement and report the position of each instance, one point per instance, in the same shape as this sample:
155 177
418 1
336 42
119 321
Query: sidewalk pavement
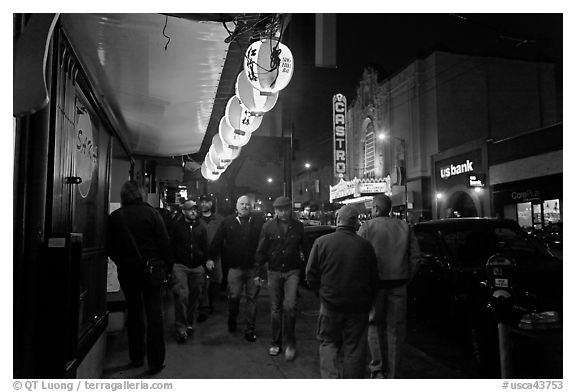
215 353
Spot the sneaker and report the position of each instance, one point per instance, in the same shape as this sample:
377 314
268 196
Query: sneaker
181 339
156 369
274 350
189 330
138 363
377 374
231 325
290 353
250 336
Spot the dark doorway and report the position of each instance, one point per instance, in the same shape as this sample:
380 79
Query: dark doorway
462 205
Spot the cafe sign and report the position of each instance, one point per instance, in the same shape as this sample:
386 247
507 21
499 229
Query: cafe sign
86 151
339 123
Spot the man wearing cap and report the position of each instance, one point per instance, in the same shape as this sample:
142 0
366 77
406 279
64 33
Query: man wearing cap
342 266
211 222
189 241
236 240
398 256
281 244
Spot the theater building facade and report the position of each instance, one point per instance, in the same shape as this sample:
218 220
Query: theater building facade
458 135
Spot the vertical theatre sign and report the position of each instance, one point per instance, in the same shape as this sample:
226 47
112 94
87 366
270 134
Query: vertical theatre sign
339 117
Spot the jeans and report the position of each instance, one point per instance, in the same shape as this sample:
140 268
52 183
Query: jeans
342 339
283 287
211 287
187 285
239 279
144 337
387 330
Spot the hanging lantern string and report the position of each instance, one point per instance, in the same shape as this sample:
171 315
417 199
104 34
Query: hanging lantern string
232 35
275 54
274 25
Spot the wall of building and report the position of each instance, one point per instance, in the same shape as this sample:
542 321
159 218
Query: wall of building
491 98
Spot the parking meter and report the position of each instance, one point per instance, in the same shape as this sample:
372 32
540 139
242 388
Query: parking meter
501 271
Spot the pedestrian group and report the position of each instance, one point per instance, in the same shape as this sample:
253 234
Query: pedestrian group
359 274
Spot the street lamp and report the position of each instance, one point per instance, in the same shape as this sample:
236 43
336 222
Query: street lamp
308 165
382 136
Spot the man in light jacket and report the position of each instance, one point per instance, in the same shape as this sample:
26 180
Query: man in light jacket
398 257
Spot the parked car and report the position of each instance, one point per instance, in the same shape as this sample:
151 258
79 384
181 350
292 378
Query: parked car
313 232
451 289
551 235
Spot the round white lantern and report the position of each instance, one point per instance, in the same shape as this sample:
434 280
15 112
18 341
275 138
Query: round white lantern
231 136
208 174
221 164
256 101
211 166
268 65
240 118
224 151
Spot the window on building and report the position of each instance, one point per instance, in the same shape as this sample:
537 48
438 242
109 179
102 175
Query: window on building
551 211
524 211
369 150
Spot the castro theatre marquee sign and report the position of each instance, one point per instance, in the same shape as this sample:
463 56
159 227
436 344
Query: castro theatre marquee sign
339 117
358 188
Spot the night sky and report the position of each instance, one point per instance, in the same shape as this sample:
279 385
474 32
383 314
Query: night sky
389 42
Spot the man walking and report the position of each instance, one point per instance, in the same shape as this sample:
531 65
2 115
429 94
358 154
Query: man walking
189 243
398 256
281 242
137 233
236 240
342 266
211 222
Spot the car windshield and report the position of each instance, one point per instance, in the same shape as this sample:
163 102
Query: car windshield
473 245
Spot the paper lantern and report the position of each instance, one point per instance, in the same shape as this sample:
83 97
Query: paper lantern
211 166
224 151
266 72
207 174
230 136
256 101
221 164
240 118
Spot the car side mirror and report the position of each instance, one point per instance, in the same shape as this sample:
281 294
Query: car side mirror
430 259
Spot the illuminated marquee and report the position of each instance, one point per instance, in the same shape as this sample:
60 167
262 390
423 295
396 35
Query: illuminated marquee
339 117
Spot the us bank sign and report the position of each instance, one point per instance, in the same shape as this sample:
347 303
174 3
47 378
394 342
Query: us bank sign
339 116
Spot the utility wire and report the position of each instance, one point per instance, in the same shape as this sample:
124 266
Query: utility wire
164 33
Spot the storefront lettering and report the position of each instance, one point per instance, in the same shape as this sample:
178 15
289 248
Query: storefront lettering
453 170
86 147
528 194
86 157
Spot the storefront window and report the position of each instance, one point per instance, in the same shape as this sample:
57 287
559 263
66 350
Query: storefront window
524 211
551 211
537 216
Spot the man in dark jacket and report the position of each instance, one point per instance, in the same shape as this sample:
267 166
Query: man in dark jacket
136 233
211 222
281 244
342 265
189 243
236 240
